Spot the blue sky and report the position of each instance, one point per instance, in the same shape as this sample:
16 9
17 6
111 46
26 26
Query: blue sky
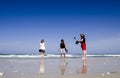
23 23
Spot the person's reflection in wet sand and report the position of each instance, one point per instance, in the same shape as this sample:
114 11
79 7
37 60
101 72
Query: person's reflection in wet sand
42 67
63 65
84 67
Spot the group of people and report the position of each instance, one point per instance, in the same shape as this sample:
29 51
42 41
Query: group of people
63 49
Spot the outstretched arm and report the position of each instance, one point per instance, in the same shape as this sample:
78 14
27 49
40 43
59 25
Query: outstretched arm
81 40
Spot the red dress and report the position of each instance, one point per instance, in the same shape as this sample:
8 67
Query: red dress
83 44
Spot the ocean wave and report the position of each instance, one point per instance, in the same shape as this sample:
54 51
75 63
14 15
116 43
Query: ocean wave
55 56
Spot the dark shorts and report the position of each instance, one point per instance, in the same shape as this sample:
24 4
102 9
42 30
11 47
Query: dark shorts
83 46
41 50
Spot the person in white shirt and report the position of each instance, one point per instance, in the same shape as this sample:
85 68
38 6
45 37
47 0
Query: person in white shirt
42 48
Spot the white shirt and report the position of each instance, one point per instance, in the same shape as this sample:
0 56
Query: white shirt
42 46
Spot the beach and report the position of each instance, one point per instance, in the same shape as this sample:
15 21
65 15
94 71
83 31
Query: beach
93 67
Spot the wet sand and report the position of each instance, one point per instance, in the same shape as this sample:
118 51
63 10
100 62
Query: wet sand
100 67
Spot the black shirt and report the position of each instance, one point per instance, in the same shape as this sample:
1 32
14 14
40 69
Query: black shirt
62 45
83 40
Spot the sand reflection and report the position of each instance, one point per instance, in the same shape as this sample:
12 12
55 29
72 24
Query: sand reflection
84 67
42 67
63 65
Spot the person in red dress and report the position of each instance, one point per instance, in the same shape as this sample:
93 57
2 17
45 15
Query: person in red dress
83 45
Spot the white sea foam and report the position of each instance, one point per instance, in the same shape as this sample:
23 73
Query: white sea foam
55 56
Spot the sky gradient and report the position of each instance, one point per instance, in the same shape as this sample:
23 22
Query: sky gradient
23 23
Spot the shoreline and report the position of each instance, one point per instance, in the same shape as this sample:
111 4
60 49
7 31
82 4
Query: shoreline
100 67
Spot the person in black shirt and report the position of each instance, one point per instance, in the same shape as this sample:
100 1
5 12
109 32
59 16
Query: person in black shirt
63 48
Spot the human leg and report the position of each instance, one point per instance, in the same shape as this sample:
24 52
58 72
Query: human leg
84 54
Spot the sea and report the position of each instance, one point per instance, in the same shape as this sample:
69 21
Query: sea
56 55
